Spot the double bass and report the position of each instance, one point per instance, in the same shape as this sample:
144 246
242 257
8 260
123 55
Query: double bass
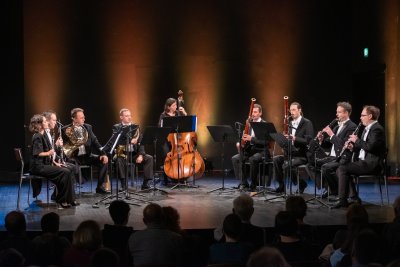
183 161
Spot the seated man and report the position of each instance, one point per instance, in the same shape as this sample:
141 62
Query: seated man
129 148
81 145
369 151
253 152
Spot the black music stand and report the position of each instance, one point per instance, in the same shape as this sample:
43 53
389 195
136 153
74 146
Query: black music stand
315 148
181 124
287 146
263 131
129 150
151 136
222 134
109 148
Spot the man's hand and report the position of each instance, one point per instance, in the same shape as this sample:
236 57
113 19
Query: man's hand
104 159
246 137
139 159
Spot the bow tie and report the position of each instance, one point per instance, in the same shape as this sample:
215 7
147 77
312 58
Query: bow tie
341 123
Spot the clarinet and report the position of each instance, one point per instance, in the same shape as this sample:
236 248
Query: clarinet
346 144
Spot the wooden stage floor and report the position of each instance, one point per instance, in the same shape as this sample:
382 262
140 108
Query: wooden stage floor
198 208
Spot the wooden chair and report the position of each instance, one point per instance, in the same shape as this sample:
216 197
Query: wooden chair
26 176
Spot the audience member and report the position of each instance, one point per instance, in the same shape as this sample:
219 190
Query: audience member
243 206
357 219
85 241
105 257
232 250
298 207
395 263
16 236
11 257
49 246
366 249
172 220
391 233
116 236
291 246
267 256
155 244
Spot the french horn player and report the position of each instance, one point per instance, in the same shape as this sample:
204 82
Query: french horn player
82 146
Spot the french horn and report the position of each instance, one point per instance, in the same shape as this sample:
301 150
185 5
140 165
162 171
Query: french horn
77 136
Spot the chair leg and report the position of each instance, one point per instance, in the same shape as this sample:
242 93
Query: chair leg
380 189
19 193
387 189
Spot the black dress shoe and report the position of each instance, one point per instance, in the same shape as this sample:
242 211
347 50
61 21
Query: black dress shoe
145 186
74 204
64 205
253 187
302 186
356 199
243 186
100 190
340 204
280 189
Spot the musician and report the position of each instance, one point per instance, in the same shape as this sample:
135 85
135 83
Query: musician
84 147
368 151
170 110
333 142
57 144
129 146
253 153
42 163
301 130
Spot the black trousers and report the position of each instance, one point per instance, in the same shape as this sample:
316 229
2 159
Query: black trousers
239 167
63 178
281 165
94 161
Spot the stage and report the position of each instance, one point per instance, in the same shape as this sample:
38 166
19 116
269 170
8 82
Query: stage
198 208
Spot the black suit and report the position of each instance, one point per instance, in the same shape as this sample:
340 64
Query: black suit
304 132
329 164
253 153
63 178
375 149
92 152
121 162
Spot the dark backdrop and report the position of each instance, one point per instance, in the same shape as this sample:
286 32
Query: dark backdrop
331 68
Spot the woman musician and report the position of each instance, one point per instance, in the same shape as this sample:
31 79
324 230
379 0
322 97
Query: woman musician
171 109
43 159
252 151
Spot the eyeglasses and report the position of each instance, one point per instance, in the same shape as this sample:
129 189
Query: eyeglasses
362 115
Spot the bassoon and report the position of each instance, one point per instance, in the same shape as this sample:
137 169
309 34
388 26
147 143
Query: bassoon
247 126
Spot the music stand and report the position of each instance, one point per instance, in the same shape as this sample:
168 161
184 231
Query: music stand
316 149
222 134
180 124
287 146
263 131
129 149
151 136
109 148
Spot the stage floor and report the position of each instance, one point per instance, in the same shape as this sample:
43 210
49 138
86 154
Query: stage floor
198 208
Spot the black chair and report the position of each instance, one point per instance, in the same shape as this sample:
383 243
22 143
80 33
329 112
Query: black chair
27 176
380 174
